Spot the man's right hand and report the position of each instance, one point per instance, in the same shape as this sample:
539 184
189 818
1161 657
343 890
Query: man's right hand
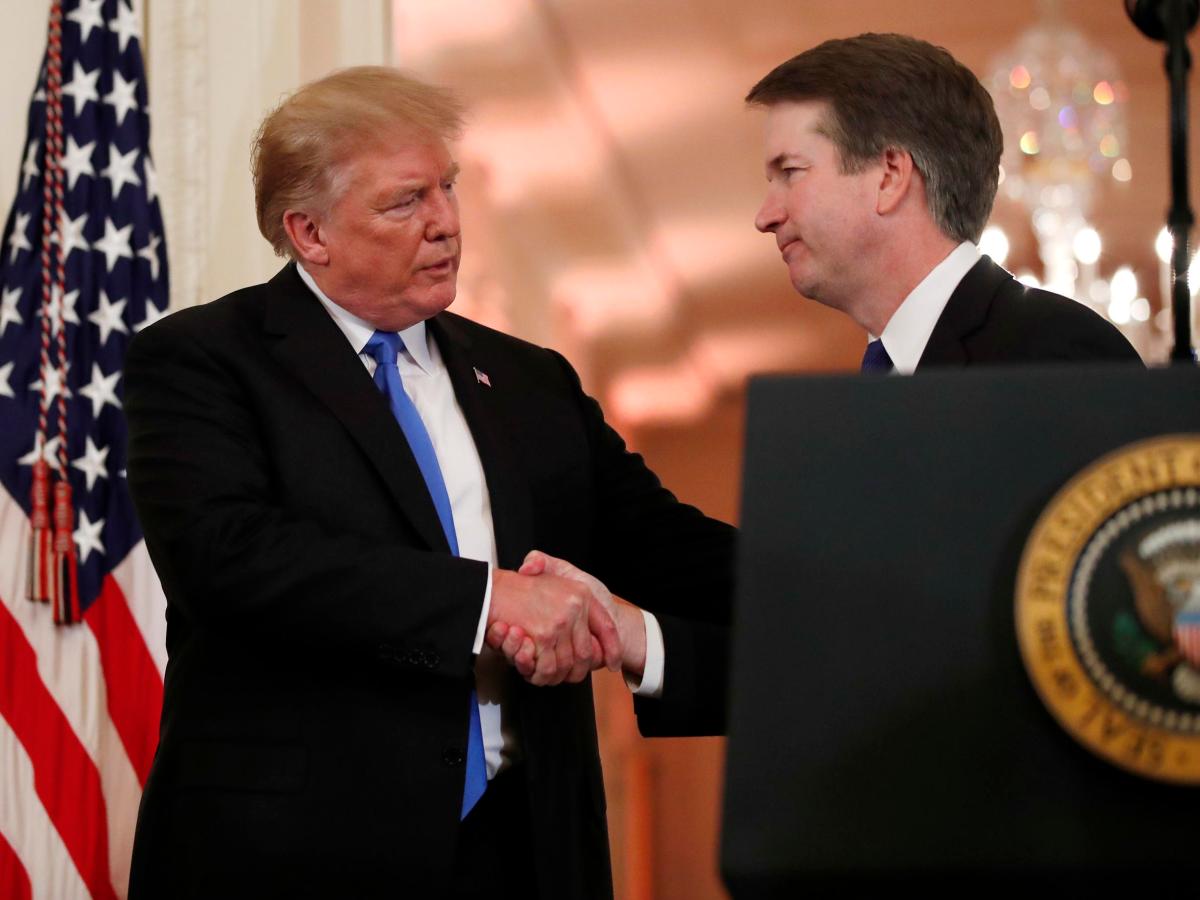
559 616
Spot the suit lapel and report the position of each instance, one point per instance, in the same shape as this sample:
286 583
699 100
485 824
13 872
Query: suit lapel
965 313
512 509
310 345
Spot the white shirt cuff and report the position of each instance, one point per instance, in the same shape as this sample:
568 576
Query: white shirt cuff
651 684
481 631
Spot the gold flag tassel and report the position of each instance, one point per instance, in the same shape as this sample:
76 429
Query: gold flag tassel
65 567
41 548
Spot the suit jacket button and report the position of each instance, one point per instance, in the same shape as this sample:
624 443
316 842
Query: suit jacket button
453 756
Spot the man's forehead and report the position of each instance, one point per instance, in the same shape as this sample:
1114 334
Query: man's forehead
793 126
398 154
796 117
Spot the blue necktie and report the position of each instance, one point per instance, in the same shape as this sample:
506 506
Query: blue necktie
876 358
385 346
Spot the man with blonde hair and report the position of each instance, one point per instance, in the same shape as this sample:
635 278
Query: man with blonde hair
338 482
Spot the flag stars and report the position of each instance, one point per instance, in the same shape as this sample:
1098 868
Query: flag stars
120 170
82 87
87 536
78 161
54 380
93 464
150 254
18 240
125 26
87 16
29 168
122 97
5 384
101 390
8 309
115 243
151 179
108 317
70 234
64 304
47 452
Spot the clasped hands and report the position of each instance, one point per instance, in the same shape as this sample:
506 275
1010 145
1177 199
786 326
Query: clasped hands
556 623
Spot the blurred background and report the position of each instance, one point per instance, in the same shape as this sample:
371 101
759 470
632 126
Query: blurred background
610 179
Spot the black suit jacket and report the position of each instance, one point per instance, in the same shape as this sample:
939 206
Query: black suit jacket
319 632
991 318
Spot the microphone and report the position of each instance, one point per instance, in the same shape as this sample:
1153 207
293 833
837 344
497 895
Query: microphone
1150 16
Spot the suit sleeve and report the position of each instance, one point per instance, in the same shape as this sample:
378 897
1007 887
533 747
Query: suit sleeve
671 559
233 558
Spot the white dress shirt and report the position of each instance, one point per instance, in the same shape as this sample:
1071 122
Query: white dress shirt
428 385
908 330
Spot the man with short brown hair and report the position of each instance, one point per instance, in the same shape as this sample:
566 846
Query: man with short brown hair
882 157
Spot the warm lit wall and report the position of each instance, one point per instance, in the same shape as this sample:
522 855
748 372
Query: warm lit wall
22 43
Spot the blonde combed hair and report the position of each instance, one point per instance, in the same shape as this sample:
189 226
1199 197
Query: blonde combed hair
302 147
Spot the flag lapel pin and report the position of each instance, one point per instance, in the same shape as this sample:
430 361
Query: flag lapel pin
482 378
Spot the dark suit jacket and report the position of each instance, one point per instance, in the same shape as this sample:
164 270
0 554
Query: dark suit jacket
991 318
319 631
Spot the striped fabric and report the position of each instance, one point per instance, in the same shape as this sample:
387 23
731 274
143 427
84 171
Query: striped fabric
82 267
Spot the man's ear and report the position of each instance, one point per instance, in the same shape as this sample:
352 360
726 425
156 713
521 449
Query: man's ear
896 179
305 234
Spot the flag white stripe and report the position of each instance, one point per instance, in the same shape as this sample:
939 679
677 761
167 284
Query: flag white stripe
122 793
68 662
28 828
144 595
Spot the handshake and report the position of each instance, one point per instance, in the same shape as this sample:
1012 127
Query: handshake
556 623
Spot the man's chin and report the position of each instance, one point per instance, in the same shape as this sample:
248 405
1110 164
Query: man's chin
811 289
806 286
438 299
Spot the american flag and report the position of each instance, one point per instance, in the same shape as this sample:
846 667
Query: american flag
82 267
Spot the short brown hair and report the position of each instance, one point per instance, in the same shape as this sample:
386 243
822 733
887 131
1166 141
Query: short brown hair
301 146
891 90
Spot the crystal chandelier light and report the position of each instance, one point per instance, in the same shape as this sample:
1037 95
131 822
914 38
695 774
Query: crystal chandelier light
1061 104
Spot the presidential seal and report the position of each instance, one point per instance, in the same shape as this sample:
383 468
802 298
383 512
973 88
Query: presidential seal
1108 608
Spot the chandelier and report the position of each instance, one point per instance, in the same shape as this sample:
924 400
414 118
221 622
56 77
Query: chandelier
1061 104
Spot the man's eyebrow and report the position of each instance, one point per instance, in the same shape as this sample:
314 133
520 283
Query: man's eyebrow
395 192
779 160
411 185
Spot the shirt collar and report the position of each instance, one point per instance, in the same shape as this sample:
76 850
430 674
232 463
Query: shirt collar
358 331
908 330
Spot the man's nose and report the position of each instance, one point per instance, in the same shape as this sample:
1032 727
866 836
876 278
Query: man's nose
770 214
443 220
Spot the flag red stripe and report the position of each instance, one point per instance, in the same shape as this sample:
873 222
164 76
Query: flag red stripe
65 778
133 684
14 880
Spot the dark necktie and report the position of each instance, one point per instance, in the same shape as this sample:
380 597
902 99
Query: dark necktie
876 358
385 346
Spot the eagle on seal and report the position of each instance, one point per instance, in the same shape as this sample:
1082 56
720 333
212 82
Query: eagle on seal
1163 569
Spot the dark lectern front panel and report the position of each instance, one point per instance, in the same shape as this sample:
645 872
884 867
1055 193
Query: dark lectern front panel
882 723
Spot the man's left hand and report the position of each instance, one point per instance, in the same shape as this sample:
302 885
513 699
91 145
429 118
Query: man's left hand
519 648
